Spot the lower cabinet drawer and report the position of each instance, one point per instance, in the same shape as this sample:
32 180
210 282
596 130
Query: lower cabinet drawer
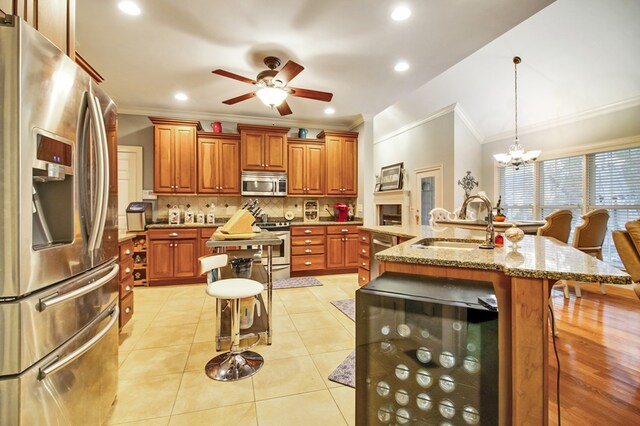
126 309
312 240
126 287
126 269
363 276
307 263
363 262
306 250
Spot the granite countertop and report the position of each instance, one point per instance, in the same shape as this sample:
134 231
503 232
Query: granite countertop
184 225
294 222
300 222
536 257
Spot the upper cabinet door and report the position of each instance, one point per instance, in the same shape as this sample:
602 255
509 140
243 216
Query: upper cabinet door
349 166
229 166
334 165
253 151
185 159
275 152
314 169
163 159
296 172
207 165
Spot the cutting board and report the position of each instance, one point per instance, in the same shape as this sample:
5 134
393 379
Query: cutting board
220 236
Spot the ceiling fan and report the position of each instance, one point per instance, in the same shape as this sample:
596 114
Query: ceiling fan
273 89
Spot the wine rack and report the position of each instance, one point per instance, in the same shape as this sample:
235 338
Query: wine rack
140 259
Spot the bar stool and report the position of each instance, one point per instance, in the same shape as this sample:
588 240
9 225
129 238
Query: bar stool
238 363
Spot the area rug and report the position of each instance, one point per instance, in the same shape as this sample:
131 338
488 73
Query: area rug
345 374
347 307
296 282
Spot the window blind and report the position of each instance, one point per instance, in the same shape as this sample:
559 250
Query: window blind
516 188
560 183
613 181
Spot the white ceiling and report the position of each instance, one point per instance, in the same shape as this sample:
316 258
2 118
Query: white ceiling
347 47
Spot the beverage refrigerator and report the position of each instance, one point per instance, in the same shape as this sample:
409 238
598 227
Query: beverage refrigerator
59 236
426 352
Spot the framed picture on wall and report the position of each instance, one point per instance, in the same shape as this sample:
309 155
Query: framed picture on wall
391 177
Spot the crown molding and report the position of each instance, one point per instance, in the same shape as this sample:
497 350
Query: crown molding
568 119
467 122
234 118
412 125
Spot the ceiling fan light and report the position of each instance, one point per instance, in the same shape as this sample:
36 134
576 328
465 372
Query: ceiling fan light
271 96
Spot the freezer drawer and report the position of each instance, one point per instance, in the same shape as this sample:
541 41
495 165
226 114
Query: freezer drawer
74 385
32 327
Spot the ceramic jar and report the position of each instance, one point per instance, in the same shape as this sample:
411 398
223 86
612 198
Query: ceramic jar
515 235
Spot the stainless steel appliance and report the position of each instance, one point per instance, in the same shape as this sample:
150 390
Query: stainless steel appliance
138 215
281 254
58 291
264 184
378 243
426 352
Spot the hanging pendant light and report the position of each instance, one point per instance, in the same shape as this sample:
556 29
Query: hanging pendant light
517 155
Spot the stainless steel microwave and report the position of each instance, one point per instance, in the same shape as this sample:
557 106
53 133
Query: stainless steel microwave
264 184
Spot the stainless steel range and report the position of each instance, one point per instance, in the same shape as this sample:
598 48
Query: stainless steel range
282 253
59 231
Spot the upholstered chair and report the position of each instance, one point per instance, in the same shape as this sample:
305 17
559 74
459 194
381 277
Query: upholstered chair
558 225
437 214
628 246
589 236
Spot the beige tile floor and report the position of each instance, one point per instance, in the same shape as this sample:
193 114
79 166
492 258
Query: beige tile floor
165 346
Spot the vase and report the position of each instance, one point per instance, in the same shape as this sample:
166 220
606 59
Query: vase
302 133
216 127
515 235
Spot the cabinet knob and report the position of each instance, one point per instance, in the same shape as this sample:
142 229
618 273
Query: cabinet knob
308 231
344 230
363 251
127 270
307 241
127 251
364 238
128 288
267 165
361 278
173 234
364 264
308 263
127 310
308 251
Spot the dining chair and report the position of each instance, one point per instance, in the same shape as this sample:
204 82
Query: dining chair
628 246
558 226
589 236
437 214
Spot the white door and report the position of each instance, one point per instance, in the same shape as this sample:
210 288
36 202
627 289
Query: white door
129 180
427 193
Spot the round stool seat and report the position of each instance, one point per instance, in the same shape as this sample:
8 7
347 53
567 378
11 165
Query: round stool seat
234 288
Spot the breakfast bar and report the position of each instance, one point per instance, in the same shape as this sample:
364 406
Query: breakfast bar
522 279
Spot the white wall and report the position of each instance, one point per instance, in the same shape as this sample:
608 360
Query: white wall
467 157
429 143
137 130
563 140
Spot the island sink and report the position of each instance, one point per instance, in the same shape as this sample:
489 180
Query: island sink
450 244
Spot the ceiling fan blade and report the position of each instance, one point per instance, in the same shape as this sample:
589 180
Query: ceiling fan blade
311 94
239 98
284 108
288 72
233 76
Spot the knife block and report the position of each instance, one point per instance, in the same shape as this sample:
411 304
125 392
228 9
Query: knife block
240 223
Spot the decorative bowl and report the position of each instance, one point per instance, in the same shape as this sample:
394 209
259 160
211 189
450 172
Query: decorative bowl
515 235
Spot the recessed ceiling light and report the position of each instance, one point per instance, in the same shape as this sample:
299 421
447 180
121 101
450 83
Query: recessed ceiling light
129 7
401 66
400 13
181 96
329 111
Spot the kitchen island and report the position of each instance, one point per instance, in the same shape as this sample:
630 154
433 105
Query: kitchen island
522 281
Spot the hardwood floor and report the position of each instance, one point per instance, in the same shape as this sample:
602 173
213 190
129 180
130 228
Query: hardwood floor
599 349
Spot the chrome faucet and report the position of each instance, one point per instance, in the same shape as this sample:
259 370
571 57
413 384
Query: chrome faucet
489 239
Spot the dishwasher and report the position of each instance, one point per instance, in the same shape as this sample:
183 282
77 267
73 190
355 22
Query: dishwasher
379 242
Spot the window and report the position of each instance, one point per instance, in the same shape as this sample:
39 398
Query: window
604 180
614 184
560 183
516 188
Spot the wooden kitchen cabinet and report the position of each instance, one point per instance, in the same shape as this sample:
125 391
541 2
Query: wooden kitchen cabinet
364 267
263 148
307 250
341 177
125 285
342 247
174 155
55 19
218 163
306 168
173 255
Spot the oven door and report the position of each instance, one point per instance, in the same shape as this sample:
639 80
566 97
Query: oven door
281 253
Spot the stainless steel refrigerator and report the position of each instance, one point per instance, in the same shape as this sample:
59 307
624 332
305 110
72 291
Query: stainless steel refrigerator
58 236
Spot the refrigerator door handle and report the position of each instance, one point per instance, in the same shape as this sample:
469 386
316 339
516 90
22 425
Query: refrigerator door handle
59 363
104 145
56 298
97 218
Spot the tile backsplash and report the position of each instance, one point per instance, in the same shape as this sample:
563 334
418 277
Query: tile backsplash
227 206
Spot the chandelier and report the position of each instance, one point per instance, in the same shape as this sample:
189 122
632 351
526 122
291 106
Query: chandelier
517 155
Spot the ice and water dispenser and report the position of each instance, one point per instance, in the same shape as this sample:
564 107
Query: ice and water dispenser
426 352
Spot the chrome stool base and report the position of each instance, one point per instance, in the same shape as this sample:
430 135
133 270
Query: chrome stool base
228 367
